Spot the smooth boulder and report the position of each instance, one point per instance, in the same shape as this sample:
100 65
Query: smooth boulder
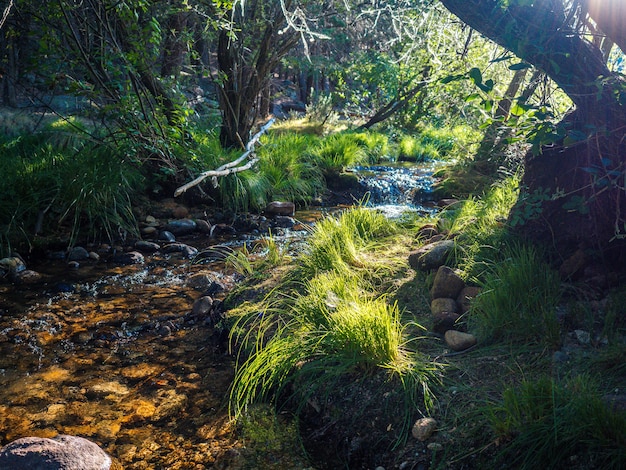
61 453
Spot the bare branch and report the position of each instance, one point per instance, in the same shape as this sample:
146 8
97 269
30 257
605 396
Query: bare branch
230 167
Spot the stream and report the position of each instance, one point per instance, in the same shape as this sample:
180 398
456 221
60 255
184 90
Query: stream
118 353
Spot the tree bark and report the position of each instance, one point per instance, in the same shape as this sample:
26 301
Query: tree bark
573 194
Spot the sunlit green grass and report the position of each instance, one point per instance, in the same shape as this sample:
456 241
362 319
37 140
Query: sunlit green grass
329 322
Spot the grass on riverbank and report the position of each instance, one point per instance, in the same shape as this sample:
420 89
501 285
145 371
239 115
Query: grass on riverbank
354 314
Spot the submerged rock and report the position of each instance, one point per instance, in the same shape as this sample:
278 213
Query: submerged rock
280 208
132 257
181 226
61 453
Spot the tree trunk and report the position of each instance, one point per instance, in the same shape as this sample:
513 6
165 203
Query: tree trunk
573 192
244 72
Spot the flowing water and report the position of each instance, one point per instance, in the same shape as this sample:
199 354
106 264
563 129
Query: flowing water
115 354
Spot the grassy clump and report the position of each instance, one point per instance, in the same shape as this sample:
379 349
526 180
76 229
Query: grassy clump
65 182
549 425
338 152
434 143
518 301
330 325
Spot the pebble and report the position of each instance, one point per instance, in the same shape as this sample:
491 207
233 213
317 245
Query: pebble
582 336
147 247
167 236
203 226
424 428
459 341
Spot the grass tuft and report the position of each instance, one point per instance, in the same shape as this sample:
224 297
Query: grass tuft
547 425
518 301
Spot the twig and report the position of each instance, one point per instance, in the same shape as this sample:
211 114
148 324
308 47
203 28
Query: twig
231 167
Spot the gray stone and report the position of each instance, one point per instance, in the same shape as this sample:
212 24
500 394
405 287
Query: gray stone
186 250
27 276
132 257
444 321
284 221
181 226
447 283
431 256
203 226
280 208
61 453
202 306
147 247
459 341
78 253
166 236
465 297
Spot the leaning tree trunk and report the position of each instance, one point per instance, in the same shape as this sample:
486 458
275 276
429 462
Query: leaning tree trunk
573 191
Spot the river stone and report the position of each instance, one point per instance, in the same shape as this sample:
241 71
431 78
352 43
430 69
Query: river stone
147 247
181 226
284 221
221 230
280 208
27 276
180 212
78 253
203 226
443 304
424 428
202 306
444 321
61 453
459 341
12 265
431 256
447 283
149 230
132 257
427 231
166 236
465 297
151 220
186 250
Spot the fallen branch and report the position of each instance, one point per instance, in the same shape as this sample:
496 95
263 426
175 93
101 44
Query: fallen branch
230 167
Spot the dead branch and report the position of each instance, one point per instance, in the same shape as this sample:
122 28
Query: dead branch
231 167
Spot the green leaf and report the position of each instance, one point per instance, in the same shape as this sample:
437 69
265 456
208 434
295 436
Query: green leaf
519 66
476 75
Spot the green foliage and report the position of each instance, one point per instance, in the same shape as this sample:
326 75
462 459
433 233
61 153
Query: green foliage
330 326
479 224
67 182
291 174
544 424
520 293
337 152
338 244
